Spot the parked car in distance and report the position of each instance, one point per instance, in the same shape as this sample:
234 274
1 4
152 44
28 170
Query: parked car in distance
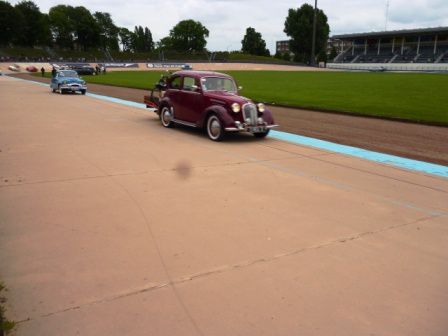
14 67
209 100
68 81
187 67
83 69
31 68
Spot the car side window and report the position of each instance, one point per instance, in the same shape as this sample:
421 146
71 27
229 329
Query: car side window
175 83
189 82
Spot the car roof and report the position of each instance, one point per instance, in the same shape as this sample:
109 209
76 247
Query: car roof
200 74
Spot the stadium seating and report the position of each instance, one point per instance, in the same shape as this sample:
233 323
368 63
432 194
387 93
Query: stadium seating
409 55
420 46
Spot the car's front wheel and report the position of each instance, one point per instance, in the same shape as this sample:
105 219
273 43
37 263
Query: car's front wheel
83 92
166 117
261 135
215 130
59 89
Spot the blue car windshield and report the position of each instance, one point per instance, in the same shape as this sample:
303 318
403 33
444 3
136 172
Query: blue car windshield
68 73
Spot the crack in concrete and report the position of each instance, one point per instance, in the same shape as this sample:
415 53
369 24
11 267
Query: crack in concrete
229 268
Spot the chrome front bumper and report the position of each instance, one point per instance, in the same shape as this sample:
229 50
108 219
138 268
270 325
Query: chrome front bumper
250 129
73 87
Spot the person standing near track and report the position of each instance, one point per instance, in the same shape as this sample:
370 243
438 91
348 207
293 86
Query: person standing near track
42 70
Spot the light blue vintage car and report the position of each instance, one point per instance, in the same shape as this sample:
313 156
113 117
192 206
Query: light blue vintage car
68 81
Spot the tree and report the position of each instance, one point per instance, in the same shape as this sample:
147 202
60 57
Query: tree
138 39
45 38
62 25
253 43
74 27
322 56
35 28
299 27
11 23
333 53
86 30
126 39
108 31
148 41
165 43
187 36
142 39
286 57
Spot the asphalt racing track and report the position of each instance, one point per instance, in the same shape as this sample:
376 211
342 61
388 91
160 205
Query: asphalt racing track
112 225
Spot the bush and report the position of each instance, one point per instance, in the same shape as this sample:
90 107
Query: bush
5 325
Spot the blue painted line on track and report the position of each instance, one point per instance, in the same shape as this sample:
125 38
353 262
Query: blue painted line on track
94 95
117 100
28 80
388 159
392 160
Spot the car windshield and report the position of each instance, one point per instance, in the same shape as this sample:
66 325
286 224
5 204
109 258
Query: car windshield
218 84
68 73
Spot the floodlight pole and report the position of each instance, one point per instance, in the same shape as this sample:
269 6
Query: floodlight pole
313 45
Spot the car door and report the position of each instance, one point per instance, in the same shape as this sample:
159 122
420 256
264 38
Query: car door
191 99
174 94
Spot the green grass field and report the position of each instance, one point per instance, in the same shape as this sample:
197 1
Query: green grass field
418 97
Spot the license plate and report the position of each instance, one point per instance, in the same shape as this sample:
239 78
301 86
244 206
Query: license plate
258 129
74 88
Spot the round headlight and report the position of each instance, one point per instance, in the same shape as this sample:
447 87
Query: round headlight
236 107
261 107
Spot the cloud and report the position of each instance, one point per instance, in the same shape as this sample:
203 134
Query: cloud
227 20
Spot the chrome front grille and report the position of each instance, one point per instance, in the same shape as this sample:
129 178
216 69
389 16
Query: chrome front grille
250 114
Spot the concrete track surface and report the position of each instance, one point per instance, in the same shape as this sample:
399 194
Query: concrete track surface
415 141
112 225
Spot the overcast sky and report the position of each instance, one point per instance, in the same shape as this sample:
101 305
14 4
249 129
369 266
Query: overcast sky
227 20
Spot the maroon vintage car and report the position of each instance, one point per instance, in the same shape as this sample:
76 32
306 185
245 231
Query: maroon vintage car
208 100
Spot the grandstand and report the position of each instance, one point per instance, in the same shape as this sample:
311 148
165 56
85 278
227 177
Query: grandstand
421 46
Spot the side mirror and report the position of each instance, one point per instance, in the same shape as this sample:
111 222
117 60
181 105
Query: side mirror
195 88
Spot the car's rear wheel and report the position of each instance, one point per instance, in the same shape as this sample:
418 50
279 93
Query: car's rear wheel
262 134
54 90
215 130
166 117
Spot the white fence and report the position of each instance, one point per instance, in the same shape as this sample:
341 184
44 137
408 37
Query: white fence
389 66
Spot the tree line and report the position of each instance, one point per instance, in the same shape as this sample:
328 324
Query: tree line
67 27
76 28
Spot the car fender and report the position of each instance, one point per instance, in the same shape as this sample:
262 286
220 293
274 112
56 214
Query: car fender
222 114
165 101
267 117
